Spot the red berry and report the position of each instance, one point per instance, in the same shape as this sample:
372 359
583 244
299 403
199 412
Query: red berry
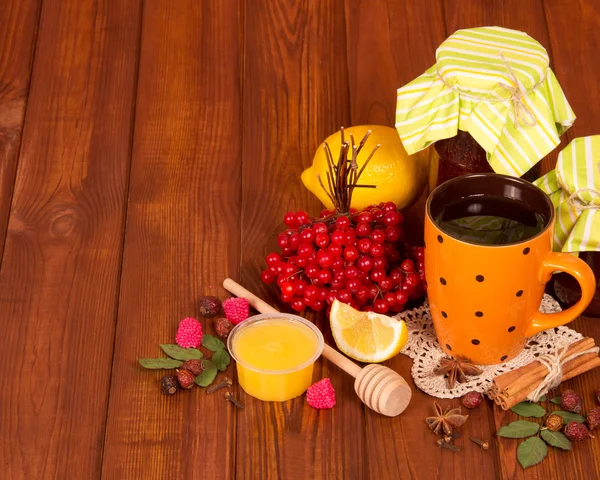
331 296
413 279
267 277
325 258
287 251
362 294
380 262
298 304
322 294
353 285
350 237
344 296
419 253
363 229
389 207
302 218
364 264
393 234
338 282
364 245
324 276
283 241
325 213
305 251
287 288
401 297
390 298
407 266
365 217
377 274
311 291
299 286
289 219
378 236
342 222
335 249
377 250
373 291
338 263
408 289
397 276
352 272
391 218
377 213
294 240
301 262
320 227
287 297
307 236
273 259
322 239
317 305
311 271
386 284
350 253
380 306
338 237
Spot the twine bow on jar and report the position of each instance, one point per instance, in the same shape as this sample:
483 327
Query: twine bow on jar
579 203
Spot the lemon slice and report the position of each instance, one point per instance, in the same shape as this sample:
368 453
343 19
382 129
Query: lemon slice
366 336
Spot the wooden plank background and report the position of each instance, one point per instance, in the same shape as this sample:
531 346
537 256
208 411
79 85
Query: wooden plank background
150 148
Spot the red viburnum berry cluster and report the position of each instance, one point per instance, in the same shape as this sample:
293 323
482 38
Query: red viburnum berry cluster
359 258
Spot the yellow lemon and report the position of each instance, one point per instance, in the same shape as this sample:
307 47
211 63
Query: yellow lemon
399 177
366 336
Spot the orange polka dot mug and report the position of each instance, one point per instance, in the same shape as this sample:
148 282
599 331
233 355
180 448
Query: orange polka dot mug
488 256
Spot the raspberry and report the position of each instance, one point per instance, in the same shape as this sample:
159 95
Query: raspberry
593 418
321 394
472 399
576 431
210 306
168 385
223 326
189 333
236 309
570 401
194 366
554 422
185 379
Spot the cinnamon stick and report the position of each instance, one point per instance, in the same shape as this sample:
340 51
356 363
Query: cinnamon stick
513 387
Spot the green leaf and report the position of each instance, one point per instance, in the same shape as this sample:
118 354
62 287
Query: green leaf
221 359
208 375
527 409
531 452
175 351
555 400
556 439
212 343
519 429
569 416
543 398
156 363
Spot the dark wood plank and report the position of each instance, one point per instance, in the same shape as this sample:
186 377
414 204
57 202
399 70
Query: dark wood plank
183 238
525 15
59 278
295 95
19 23
379 39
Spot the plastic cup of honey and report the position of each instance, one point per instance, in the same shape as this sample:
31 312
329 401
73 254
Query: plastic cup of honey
275 354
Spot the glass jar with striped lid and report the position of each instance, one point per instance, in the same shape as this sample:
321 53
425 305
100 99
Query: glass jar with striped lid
490 103
574 188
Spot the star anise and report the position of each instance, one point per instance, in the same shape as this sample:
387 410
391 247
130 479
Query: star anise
445 422
457 369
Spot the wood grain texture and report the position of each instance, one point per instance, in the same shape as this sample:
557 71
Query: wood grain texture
59 278
183 238
18 31
295 95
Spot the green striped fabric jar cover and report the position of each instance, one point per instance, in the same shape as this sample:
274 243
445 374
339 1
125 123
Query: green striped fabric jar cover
495 84
574 188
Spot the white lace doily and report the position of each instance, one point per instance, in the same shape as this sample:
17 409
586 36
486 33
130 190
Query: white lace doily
424 349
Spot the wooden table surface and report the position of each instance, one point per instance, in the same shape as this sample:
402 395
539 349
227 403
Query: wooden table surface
148 149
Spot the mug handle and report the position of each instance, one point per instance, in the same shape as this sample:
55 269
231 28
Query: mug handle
563 262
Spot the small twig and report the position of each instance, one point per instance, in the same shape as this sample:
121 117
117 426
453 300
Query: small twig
230 398
323 187
484 444
218 386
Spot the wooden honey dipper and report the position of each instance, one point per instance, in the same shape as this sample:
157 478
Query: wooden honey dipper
380 388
